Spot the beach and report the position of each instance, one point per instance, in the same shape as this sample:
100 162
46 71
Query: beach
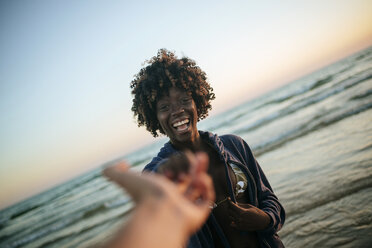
312 137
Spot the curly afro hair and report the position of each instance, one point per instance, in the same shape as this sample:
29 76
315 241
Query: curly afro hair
163 72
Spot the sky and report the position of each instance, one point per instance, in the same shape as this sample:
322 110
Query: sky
66 66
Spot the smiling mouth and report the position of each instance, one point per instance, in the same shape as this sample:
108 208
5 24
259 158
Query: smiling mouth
182 125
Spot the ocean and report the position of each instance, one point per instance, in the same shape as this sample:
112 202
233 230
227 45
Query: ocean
312 137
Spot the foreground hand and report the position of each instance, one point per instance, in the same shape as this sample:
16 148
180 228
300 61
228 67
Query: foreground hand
190 206
246 217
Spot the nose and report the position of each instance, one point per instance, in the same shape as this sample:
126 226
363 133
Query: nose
177 109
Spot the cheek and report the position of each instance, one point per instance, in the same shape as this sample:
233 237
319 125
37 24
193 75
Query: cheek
162 120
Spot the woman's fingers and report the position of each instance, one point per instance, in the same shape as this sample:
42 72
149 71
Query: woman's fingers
233 206
245 205
235 214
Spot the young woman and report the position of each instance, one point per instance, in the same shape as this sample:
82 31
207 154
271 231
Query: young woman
170 96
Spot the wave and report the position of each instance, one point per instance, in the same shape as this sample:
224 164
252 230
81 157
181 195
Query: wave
366 148
87 234
35 203
22 238
364 55
117 203
334 195
305 129
24 211
40 232
316 84
302 90
278 100
321 82
287 93
3 221
95 210
306 102
362 96
104 206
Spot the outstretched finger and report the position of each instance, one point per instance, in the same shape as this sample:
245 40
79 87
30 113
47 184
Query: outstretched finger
135 185
110 172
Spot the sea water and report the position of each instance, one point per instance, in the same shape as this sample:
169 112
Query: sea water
312 137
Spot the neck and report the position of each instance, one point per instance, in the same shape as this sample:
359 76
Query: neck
192 145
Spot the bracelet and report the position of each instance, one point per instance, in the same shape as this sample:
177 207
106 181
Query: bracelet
215 204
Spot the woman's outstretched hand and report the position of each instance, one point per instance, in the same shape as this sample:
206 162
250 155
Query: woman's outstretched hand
166 214
246 217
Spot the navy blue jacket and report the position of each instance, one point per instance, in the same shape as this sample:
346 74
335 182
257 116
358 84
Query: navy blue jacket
234 150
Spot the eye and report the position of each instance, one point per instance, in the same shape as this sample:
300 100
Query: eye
163 107
186 100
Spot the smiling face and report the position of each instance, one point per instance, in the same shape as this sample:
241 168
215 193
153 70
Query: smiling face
178 116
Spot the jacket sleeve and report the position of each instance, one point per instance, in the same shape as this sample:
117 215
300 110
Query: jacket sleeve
267 200
152 166
157 161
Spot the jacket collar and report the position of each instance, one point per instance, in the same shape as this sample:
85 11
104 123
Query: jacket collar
217 143
213 139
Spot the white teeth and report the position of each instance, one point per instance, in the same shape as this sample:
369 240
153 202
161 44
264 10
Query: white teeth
177 124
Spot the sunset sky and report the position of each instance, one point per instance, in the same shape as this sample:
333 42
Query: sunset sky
66 66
